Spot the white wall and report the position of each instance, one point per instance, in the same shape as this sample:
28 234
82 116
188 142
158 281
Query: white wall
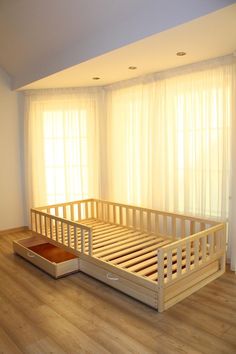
11 156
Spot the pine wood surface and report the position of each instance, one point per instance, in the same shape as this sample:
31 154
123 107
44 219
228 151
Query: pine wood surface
78 314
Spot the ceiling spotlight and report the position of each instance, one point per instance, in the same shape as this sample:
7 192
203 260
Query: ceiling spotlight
96 78
132 67
180 54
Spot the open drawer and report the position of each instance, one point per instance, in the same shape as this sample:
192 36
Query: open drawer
52 259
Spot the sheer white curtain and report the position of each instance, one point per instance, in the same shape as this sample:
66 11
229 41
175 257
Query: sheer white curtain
62 145
170 141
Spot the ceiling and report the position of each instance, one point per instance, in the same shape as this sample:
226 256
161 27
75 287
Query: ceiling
207 37
41 38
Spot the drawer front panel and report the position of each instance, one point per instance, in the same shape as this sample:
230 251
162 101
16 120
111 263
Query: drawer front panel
35 259
140 293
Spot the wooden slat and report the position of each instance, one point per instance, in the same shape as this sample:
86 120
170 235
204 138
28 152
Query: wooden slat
116 239
179 259
128 251
196 253
156 223
169 264
164 224
188 246
130 258
123 244
173 226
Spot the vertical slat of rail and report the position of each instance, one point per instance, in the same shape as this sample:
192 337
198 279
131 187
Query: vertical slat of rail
89 209
157 223
169 265
75 238
46 225
82 241
56 229
134 218
114 214
100 209
59 230
183 229
188 255
62 233
64 211
86 210
68 235
72 216
141 219
108 212
96 203
192 227
51 229
160 270
174 226
127 216
90 237
204 247
40 224
31 220
79 211
179 260
202 226
196 252
36 222
149 224
92 209
211 245
217 240
165 225
121 215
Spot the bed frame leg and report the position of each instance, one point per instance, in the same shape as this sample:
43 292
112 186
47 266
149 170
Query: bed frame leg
160 272
160 303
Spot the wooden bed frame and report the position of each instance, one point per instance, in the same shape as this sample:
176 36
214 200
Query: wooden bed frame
156 257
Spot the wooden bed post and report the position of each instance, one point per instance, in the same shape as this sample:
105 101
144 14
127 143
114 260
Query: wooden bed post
160 271
223 247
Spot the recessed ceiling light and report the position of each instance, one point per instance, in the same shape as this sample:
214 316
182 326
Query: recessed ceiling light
132 67
181 54
96 78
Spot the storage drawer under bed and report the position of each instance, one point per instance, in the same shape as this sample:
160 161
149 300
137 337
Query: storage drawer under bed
115 280
52 259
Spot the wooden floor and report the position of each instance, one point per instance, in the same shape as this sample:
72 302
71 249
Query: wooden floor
78 314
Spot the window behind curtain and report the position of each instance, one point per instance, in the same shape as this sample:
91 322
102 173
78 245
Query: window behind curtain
169 143
62 145
66 155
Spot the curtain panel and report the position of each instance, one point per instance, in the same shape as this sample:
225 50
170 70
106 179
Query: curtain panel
170 142
62 145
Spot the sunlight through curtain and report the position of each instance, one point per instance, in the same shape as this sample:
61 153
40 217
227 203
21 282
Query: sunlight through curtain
63 151
169 141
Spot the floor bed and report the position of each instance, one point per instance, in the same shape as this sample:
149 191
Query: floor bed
158 258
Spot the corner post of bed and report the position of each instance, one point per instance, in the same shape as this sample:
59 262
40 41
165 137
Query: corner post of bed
160 283
223 247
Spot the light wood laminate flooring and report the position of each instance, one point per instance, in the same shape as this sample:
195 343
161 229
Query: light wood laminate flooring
78 314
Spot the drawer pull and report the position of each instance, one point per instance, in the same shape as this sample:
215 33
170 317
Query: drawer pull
31 255
111 276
